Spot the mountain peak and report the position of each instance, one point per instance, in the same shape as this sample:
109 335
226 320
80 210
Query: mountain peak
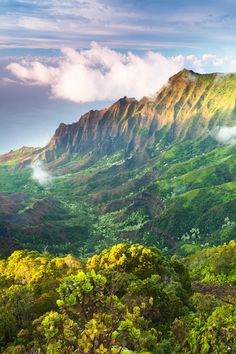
182 109
184 74
188 71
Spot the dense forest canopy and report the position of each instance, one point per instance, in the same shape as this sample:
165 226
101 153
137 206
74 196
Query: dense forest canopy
127 299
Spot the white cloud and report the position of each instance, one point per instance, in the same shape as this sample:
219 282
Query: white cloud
201 63
34 72
39 173
212 60
224 135
37 24
99 74
233 62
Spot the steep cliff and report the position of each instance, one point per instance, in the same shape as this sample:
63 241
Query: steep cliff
186 107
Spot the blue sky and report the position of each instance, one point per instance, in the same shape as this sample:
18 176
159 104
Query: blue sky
170 25
35 69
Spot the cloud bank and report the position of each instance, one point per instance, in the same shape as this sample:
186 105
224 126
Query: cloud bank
39 174
225 135
98 73
101 74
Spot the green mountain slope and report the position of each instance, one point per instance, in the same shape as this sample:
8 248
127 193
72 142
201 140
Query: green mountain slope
146 171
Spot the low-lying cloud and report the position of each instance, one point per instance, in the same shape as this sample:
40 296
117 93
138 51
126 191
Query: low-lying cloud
224 135
98 73
40 174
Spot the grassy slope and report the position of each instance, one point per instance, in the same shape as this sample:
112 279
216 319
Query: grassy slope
195 181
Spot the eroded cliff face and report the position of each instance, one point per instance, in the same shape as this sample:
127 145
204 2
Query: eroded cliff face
188 106
123 125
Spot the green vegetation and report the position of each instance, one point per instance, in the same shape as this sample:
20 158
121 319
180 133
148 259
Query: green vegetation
127 299
184 186
147 214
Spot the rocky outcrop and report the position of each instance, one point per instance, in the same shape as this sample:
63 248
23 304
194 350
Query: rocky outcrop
186 107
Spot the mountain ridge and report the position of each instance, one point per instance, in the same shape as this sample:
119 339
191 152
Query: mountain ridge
161 176
186 107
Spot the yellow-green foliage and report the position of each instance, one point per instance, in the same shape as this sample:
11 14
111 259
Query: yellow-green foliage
120 300
128 299
215 265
